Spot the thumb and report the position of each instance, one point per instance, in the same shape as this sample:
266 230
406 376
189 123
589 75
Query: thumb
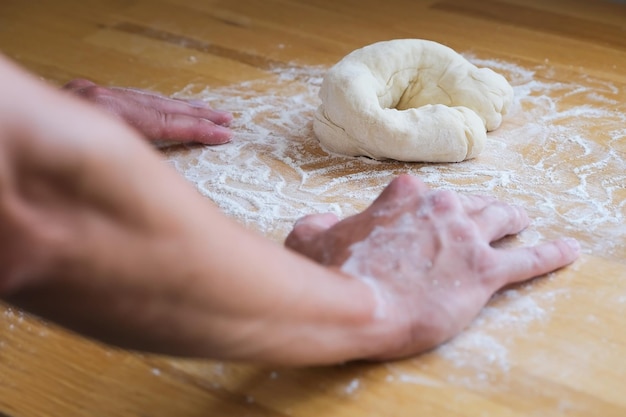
307 229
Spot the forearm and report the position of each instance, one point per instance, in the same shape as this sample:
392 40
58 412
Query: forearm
281 307
189 281
222 293
99 235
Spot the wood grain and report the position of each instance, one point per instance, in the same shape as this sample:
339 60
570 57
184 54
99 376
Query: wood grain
552 347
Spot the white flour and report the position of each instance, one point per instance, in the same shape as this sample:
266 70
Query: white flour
560 154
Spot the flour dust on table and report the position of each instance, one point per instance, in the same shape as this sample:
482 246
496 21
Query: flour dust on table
552 155
556 154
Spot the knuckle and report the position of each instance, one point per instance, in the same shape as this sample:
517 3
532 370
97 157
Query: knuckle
165 119
501 211
479 257
485 262
159 125
97 95
443 201
93 92
480 261
516 215
462 230
535 260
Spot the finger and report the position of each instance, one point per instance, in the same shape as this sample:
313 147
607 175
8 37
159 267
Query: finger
226 116
400 188
156 125
309 227
521 264
316 223
152 122
78 84
497 220
176 106
473 203
180 128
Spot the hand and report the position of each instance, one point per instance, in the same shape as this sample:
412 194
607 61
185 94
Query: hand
427 254
156 117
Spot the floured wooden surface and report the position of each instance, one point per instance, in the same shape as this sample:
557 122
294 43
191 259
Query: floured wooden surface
560 153
552 347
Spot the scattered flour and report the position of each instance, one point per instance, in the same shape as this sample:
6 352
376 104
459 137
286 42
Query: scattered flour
352 386
560 154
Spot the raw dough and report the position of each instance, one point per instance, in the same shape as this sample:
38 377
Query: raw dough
409 100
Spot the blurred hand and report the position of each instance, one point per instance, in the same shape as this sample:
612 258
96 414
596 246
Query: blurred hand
156 117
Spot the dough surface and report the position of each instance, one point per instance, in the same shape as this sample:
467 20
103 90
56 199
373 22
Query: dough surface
409 100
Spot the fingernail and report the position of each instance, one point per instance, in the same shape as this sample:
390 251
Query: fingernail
220 128
227 117
218 134
572 243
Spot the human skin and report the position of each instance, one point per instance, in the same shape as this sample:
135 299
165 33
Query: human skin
102 237
429 256
158 118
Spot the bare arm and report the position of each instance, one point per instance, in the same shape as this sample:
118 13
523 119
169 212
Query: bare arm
99 235
102 237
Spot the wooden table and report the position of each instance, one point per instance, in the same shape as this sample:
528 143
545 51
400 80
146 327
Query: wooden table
555 346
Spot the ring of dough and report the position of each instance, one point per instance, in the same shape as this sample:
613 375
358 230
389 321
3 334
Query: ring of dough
409 100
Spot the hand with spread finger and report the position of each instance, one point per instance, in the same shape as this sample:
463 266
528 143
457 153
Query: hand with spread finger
158 118
428 257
